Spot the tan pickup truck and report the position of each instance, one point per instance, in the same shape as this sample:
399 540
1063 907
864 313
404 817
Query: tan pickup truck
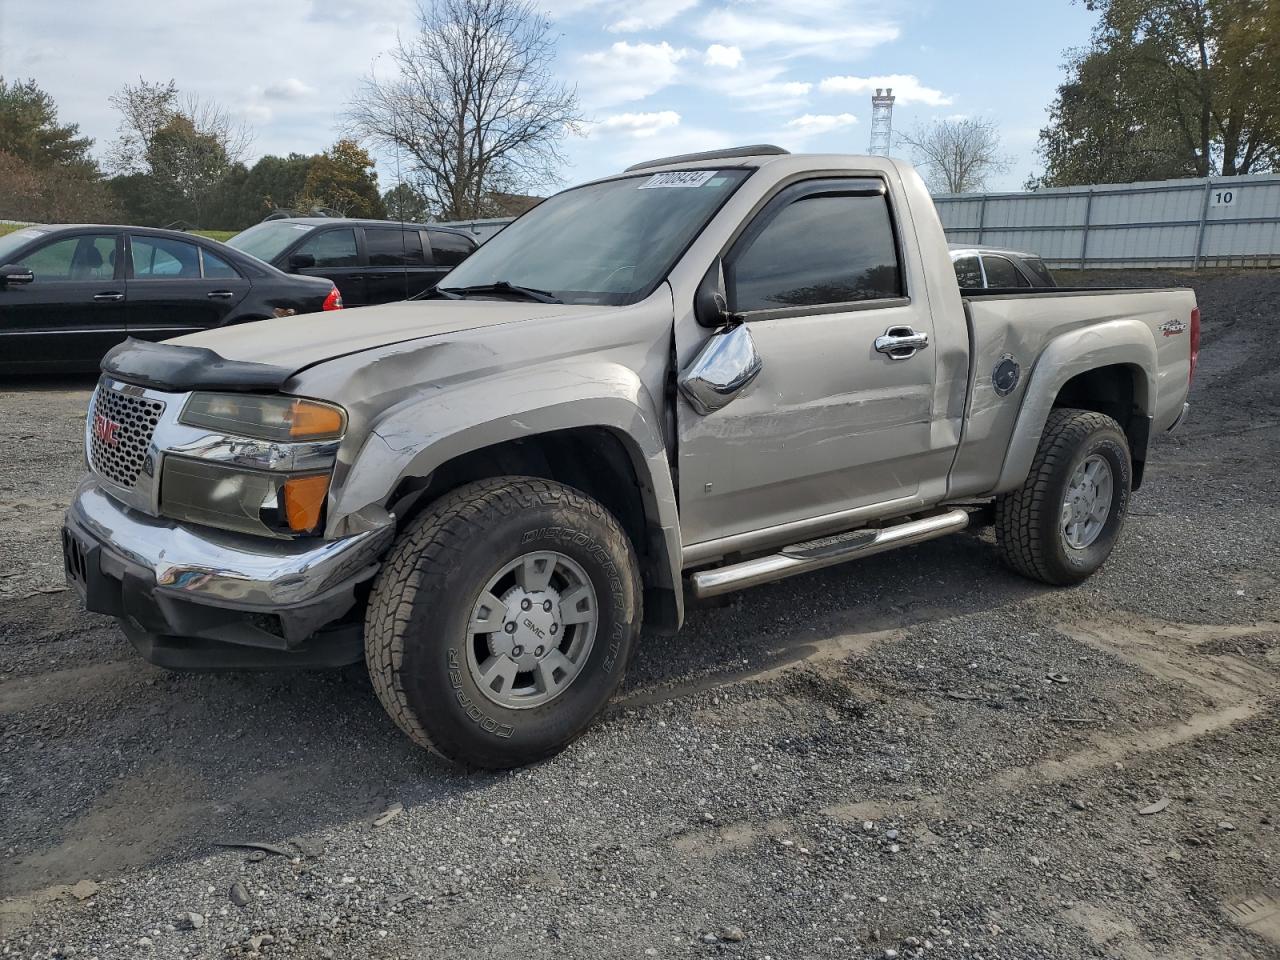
702 374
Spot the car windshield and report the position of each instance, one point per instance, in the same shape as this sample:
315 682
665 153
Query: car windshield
267 240
609 242
10 242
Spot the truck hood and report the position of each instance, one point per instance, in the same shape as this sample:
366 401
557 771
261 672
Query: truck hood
294 343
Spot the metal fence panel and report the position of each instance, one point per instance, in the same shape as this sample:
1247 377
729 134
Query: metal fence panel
1218 221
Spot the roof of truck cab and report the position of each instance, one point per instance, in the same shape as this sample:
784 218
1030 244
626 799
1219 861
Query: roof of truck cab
792 162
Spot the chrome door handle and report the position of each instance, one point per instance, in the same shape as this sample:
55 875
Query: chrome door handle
900 343
107 297
220 294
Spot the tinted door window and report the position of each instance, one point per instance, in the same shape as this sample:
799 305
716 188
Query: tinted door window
1002 273
160 258
91 257
449 249
1042 274
394 248
821 249
968 273
215 268
332 248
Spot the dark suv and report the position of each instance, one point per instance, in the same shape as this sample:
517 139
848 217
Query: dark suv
371 261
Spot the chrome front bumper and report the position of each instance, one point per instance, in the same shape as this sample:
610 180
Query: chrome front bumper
170 579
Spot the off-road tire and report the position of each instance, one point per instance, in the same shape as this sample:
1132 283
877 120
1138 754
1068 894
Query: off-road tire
416 623
1028 523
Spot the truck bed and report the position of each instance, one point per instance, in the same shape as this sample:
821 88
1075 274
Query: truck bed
1043 335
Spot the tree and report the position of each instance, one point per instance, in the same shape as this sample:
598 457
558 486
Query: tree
1169 88
147 108
29 129
274 183
46 172
188 165
474 104
1101 130
406 202
58 194
958 155
172 154
343 179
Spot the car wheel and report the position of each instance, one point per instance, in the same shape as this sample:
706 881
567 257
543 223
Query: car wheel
1063 522
502 620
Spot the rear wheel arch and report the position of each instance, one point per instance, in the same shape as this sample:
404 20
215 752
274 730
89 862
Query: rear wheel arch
1119 391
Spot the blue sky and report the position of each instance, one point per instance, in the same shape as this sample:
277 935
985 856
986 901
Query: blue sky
655 76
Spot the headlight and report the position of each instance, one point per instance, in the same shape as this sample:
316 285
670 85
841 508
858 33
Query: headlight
248 501
264 417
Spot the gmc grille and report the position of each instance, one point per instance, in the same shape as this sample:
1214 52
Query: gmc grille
120 429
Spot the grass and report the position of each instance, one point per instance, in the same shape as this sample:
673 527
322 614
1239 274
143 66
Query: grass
222 235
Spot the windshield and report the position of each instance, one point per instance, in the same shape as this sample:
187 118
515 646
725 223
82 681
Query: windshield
10 242
610 242
267 240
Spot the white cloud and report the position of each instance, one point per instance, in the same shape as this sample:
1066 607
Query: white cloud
759 26
811 124
669 143
258 114
627 71
718 55
756 89
647 14
906 88
640 125
290 88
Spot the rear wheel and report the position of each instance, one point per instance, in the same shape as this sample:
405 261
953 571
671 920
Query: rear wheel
1063 523
501 622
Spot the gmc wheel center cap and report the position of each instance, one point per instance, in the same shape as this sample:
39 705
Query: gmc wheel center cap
531 627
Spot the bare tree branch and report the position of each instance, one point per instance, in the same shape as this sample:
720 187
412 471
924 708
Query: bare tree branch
958 156
474 104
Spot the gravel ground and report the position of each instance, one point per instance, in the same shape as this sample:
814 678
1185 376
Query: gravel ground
871 761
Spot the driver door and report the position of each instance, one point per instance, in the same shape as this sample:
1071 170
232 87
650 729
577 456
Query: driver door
838 418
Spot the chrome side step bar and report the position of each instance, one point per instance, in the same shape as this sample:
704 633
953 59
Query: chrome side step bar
816 554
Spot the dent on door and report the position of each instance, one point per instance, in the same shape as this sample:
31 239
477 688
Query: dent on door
725 366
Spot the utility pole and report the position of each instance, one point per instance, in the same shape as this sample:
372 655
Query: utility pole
881 122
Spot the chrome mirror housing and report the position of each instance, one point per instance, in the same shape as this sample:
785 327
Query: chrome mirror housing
725 366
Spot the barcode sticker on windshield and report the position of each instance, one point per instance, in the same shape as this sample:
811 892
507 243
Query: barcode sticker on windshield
678 178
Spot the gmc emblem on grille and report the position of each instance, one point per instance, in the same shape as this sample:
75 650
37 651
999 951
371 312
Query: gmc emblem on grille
106 431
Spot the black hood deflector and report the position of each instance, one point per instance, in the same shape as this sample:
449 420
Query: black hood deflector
168 366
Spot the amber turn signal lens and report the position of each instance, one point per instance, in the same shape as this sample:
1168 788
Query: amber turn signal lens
308 419
304 500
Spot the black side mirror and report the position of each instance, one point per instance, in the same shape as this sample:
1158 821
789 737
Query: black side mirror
12 275
301 261
710 305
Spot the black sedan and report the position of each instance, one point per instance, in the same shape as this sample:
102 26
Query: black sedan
68 294
371 261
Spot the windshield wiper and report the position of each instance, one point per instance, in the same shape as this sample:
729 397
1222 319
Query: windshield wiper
501 286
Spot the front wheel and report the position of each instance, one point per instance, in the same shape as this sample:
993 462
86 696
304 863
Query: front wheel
1063 522
502 621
